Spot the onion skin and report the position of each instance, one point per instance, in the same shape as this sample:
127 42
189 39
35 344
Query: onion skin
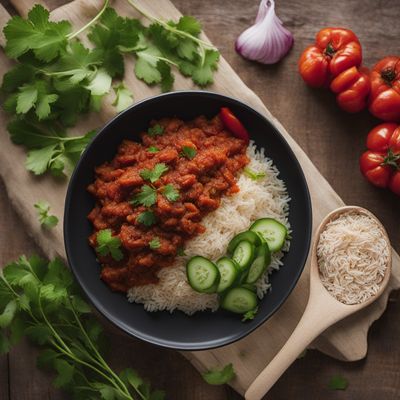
267 41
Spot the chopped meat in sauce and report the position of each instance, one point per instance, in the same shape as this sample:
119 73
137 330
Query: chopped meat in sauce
200 181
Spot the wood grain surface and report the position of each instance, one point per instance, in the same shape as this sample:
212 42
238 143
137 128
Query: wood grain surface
333 141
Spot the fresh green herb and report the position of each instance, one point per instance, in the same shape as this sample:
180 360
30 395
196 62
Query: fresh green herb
249 315
219 377
153 149
181 252
146 197
255 176
46 220
337 382
146 218
108 244
188 152
56 78
170 193
48 150
155 130
154 174
175 44
46 38
123 97
114 36
40 300
154 243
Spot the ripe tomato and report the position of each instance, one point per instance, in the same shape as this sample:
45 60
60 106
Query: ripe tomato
335 50
385 89
380 164
233 124
352 87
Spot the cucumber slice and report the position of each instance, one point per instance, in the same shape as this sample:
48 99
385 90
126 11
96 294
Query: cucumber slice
239 300
271 231
202 274
260 263
250 236
243 254
228 271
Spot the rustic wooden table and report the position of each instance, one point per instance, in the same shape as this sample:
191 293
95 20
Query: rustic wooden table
333 141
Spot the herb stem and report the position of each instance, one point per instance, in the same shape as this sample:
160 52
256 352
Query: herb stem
99 357
73 357
91 22
169 27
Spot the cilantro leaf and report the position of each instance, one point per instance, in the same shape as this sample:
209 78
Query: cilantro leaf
154 174
146 197
75 63
154 243
219 377
155 130
189 152
49 150
189 24
249 315
8 314
112 36
100 84
17 76
338 382
65 373
146 218
153 149
254 175
202 73
123 97
46 38
170 193
181 251
46 220
108 244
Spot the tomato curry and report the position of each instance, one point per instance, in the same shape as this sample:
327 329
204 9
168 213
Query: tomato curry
194 162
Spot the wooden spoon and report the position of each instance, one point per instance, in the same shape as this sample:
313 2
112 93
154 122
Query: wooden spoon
322 311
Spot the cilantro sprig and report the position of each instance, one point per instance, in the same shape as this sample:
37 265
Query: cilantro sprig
146 218
188 152
46 220
40 300
153 175
250 315
254 175
338 382
219 376
109 244
146 197
57 79
154 243
48 148
170 192
155 130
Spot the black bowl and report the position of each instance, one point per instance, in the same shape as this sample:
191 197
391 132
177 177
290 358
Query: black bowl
203 330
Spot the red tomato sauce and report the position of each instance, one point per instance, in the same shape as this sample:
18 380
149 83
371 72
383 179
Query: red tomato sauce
201 182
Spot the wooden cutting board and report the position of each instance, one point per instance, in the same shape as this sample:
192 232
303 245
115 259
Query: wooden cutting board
347 340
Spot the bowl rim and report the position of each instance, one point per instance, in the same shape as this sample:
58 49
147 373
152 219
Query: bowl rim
128 329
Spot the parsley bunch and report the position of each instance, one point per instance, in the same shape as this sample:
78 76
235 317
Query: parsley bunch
40 300
56 78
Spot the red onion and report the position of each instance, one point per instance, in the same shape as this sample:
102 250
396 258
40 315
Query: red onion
267 41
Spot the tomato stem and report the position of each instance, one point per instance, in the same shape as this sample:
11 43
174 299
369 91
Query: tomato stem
388 75
330 50
392 160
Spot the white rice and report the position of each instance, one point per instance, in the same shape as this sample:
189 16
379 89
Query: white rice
352 257
266 197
